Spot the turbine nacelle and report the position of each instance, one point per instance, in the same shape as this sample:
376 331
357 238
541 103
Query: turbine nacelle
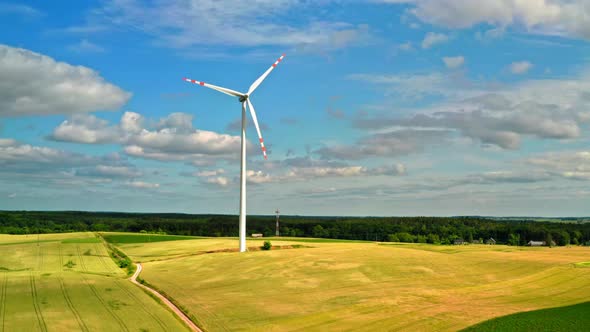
243 98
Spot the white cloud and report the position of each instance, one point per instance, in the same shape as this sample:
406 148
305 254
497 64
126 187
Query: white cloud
110 171
187 23
454 61
548 17
84 46
434 38
86 128
29 161
392 143
19 9
172 138
32 83
496 115
520 67
208 173
407 46
257 177
573 165
142 185
409 86
219 180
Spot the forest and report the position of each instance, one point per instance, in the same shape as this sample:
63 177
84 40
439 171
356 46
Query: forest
436 230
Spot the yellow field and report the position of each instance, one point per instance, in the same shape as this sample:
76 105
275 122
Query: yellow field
361 286
68 282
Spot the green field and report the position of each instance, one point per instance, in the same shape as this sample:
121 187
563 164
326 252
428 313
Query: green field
143 238
68 282
564 319
340 286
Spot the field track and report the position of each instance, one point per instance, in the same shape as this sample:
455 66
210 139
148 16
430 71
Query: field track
71 306
3 300
38 313
171 305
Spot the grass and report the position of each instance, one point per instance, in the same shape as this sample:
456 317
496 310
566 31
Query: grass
120 238
82 240
569 318
53 285
360 286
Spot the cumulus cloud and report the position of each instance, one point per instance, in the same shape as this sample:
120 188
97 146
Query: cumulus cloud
299 169
86 128
171 138
393 143
434 38
29 162
558 17
573 165
454 61
32 83
520 67
501 116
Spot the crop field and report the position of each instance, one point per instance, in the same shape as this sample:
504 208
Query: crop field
68 282
360 286
145 248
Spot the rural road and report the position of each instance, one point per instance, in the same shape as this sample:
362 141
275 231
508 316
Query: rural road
171 305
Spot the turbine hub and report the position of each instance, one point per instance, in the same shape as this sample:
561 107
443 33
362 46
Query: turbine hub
243 98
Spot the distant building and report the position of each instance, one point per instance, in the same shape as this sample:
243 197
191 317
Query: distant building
536 243
257 235
491 241
460 241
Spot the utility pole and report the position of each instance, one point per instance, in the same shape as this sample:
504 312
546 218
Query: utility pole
277 212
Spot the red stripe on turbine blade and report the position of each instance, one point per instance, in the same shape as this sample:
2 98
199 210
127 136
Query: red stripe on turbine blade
274 65
263 149
261 140
202 83
265 158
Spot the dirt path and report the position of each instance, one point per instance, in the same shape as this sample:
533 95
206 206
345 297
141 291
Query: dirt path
171 305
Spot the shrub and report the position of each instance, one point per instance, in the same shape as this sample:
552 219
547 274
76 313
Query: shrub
267 245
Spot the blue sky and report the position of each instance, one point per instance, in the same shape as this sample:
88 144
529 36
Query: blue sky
391 107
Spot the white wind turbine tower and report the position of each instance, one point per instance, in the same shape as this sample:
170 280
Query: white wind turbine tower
244 99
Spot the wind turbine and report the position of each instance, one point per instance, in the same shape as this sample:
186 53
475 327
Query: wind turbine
244 98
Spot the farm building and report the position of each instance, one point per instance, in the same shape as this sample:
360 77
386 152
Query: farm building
491 241
539 243
460 241
257 235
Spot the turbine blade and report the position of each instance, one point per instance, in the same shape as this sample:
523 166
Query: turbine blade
253 113
263 76
215 87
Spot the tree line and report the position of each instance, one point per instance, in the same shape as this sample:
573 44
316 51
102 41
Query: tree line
437 230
